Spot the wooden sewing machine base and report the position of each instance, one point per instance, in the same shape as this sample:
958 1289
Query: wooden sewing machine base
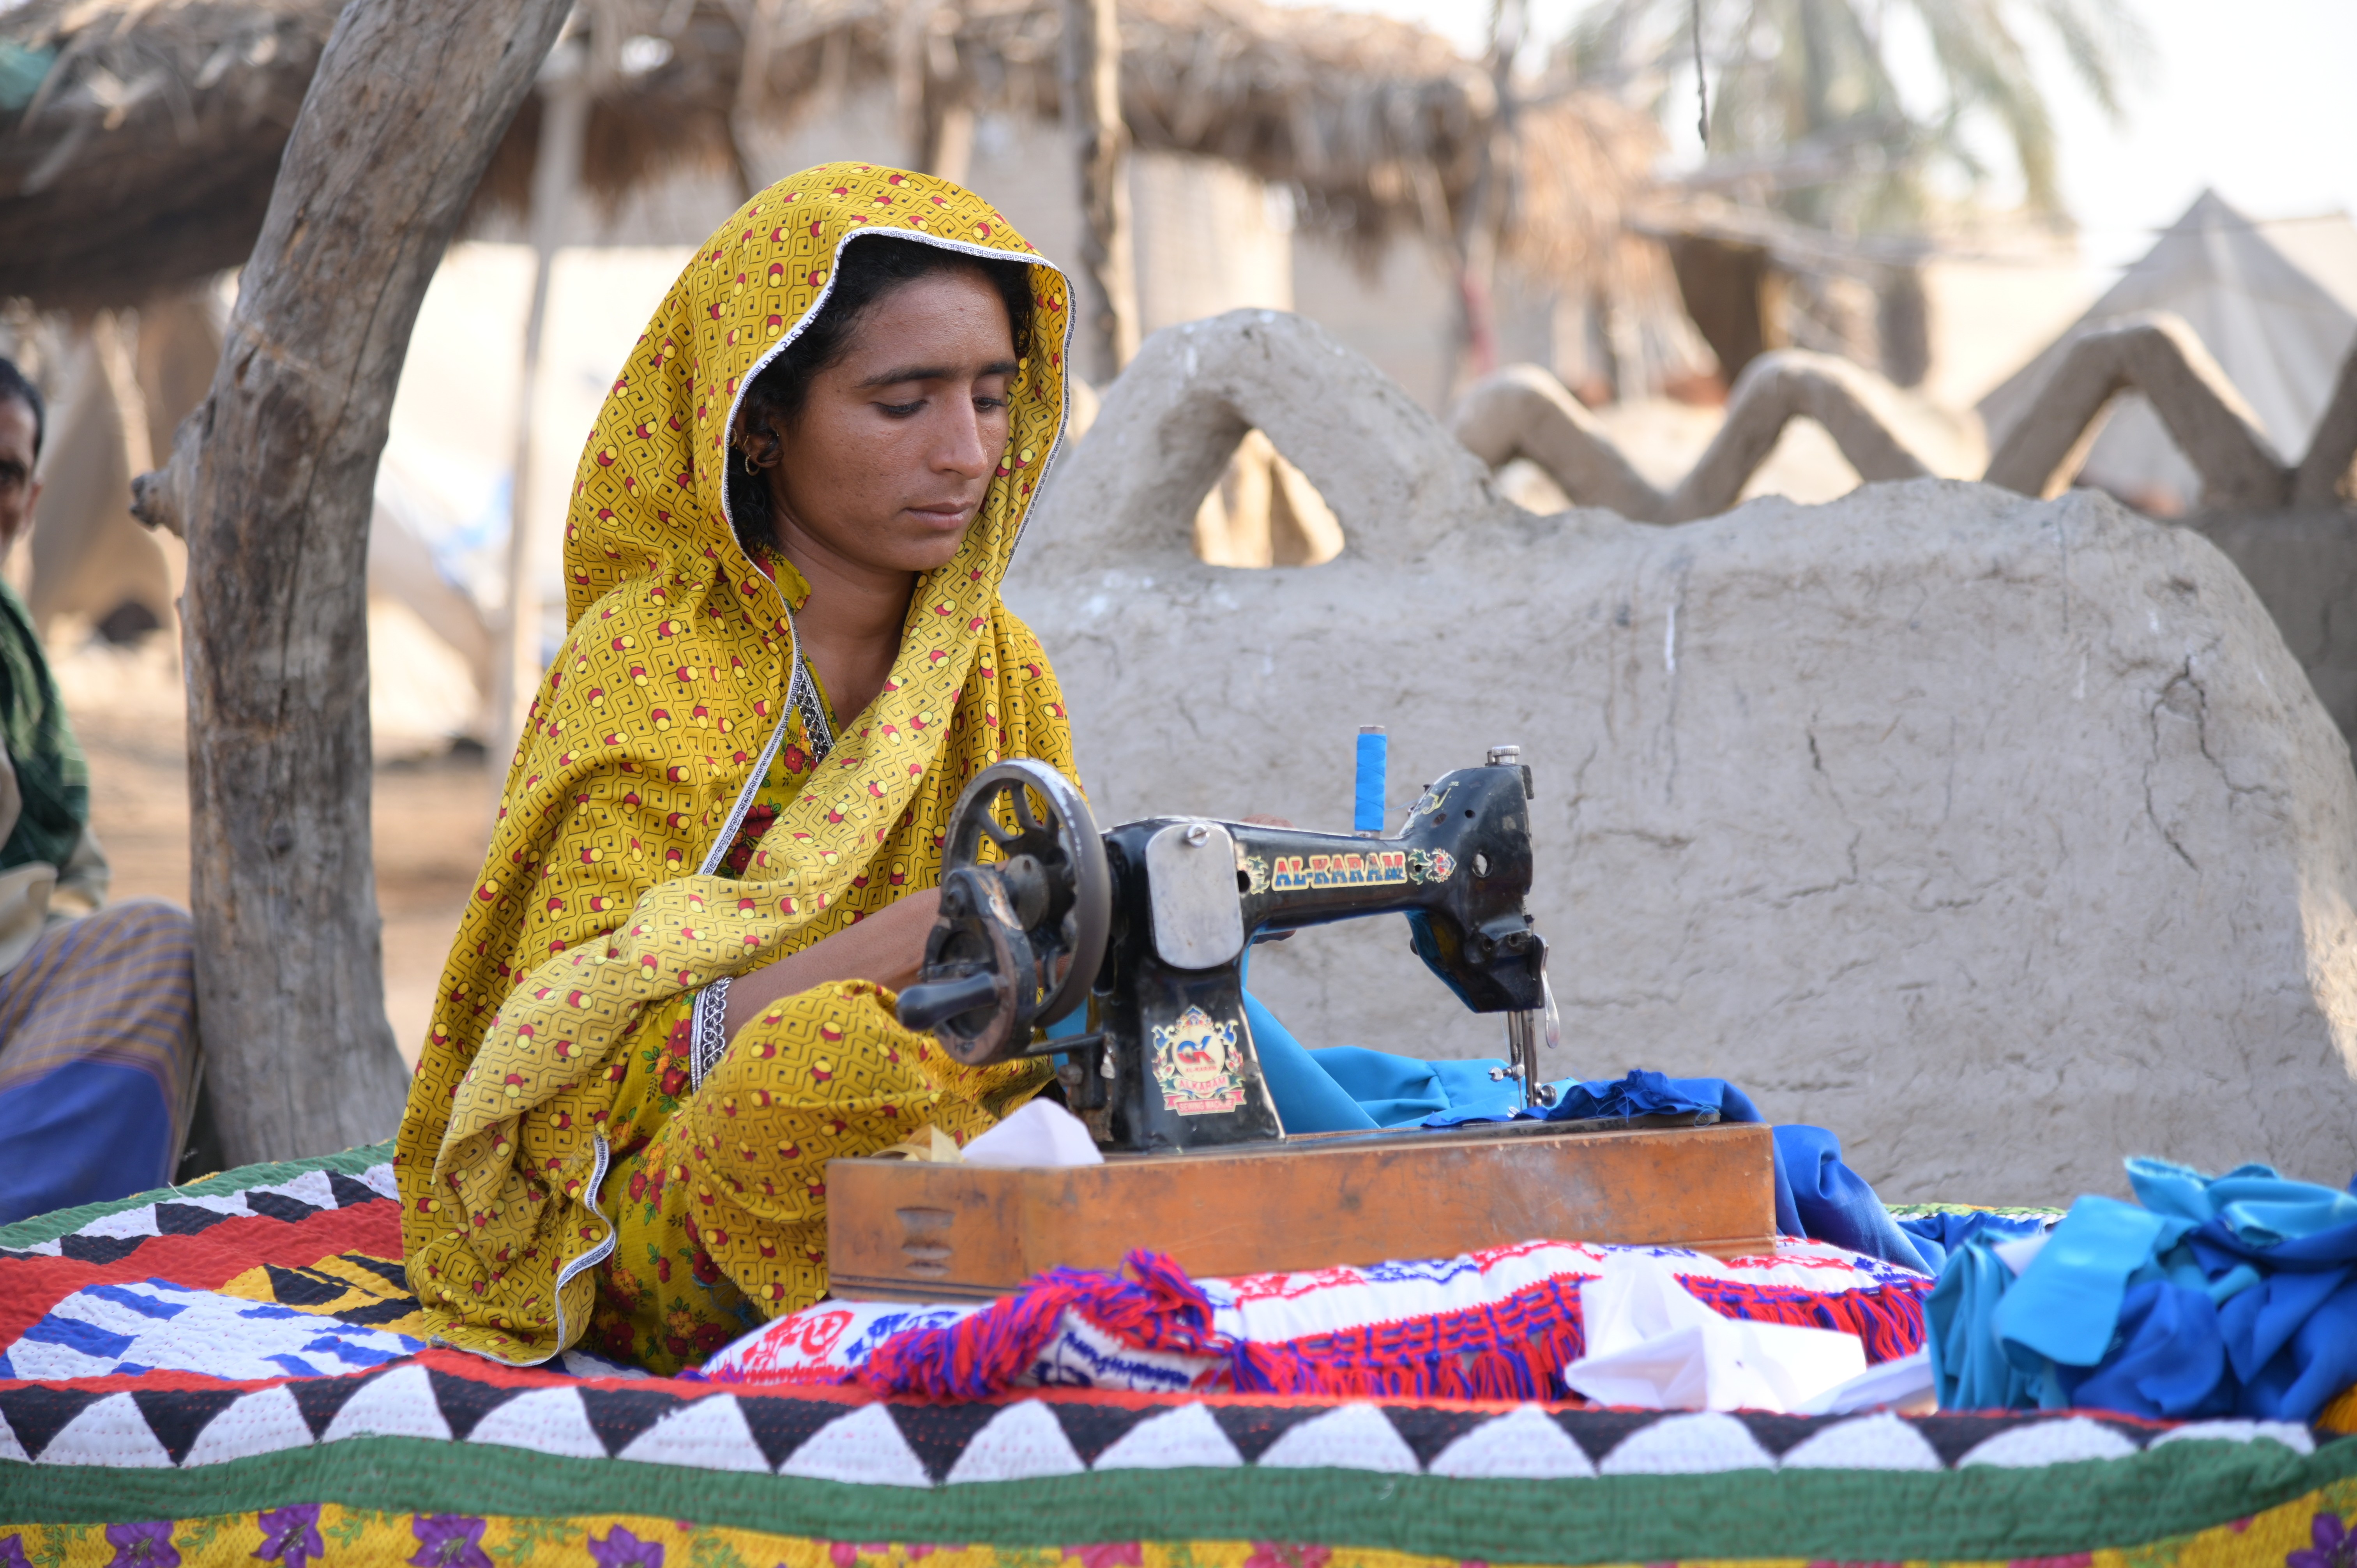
905 1230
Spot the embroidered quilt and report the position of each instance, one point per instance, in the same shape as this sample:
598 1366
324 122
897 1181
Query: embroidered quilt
231 1373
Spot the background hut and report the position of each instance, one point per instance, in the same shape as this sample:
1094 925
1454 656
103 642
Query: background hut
1392 158
2275 302
138 141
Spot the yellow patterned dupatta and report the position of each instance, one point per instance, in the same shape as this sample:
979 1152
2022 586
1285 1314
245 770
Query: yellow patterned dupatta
660 707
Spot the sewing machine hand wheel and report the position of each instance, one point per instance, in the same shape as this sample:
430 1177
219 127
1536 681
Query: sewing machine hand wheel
1019 939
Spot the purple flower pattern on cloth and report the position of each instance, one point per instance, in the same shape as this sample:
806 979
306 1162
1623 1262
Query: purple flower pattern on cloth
290 1535
620 1549
12 1552
143 1545
448 1540
2335 1546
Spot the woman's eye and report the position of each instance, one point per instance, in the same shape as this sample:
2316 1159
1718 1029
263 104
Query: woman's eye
989 403
900 410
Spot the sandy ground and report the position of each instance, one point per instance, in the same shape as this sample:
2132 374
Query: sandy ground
432 816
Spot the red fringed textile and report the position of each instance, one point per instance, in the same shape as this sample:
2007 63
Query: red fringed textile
1515 1348
982 1356
1890 1320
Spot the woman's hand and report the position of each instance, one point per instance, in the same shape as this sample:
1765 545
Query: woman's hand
888 947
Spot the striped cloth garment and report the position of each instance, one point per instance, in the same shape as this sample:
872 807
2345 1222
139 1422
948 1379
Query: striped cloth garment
97 1058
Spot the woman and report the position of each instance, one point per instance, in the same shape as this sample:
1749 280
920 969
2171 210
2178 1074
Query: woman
668 1004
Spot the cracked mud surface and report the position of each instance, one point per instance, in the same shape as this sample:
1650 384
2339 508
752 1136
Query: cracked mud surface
2004 838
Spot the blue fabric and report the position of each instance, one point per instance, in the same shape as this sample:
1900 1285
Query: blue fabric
1816 1193
1970 1369
1835 1203
87 1132
2171 1359
1469 1086
2236 1294
2252 1202
2065 1305
1645 1093
1401 1092
1394 1091
1935 1236
1307 1098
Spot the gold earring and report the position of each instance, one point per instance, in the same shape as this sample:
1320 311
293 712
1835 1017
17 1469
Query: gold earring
751 472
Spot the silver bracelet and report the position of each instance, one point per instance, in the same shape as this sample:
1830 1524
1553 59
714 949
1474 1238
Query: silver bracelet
708 1032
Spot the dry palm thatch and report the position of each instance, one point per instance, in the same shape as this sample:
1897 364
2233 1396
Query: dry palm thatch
1377 124
147 156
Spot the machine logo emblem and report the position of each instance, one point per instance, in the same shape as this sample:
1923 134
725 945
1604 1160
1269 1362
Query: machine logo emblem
1195 1065
1432 866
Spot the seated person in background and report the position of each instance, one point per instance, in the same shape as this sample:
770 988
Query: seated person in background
97 1057
671 1000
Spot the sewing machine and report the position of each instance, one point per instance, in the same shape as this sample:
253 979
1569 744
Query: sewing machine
1147 926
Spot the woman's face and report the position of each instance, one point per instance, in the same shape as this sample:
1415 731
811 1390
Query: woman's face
888 462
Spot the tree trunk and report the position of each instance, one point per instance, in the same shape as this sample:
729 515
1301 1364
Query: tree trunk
1107 335
274 486
555 182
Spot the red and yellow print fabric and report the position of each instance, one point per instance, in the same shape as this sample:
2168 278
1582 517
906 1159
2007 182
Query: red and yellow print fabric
671 680
719 1198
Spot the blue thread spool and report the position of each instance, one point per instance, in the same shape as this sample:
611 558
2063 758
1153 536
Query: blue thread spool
1367 798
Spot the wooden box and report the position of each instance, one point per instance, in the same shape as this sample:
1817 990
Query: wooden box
900 1230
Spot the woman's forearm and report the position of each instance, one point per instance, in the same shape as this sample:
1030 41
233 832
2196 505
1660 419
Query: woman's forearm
888 947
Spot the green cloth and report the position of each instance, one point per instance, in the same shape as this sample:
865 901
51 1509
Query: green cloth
51 777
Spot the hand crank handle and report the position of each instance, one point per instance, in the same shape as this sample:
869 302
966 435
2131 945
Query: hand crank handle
922 1006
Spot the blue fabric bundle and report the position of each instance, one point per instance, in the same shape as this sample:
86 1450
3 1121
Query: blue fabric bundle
2236 1294
1936 1236
1816 1193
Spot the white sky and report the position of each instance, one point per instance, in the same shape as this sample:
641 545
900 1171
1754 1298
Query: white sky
2252 97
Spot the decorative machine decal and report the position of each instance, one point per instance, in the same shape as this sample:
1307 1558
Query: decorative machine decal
1435 865
1294 874
1195 1063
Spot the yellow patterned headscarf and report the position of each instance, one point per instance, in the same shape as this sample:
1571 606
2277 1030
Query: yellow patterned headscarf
673 680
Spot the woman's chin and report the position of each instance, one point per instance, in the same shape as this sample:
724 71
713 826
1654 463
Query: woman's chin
927 548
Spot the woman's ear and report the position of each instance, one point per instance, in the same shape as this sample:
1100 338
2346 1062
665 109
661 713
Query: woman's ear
759 446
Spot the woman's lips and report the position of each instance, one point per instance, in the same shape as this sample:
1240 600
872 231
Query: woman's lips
952 515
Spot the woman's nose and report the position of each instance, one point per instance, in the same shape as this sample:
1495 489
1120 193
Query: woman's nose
966 448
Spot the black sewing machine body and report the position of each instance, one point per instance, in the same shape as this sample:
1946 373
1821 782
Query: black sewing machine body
1154 920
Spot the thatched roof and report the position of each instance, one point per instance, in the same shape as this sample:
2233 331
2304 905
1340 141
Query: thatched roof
146 159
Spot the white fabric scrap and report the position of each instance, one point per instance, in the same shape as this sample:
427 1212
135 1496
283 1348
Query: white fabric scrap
1653 1345
1889 1383
1042 1134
